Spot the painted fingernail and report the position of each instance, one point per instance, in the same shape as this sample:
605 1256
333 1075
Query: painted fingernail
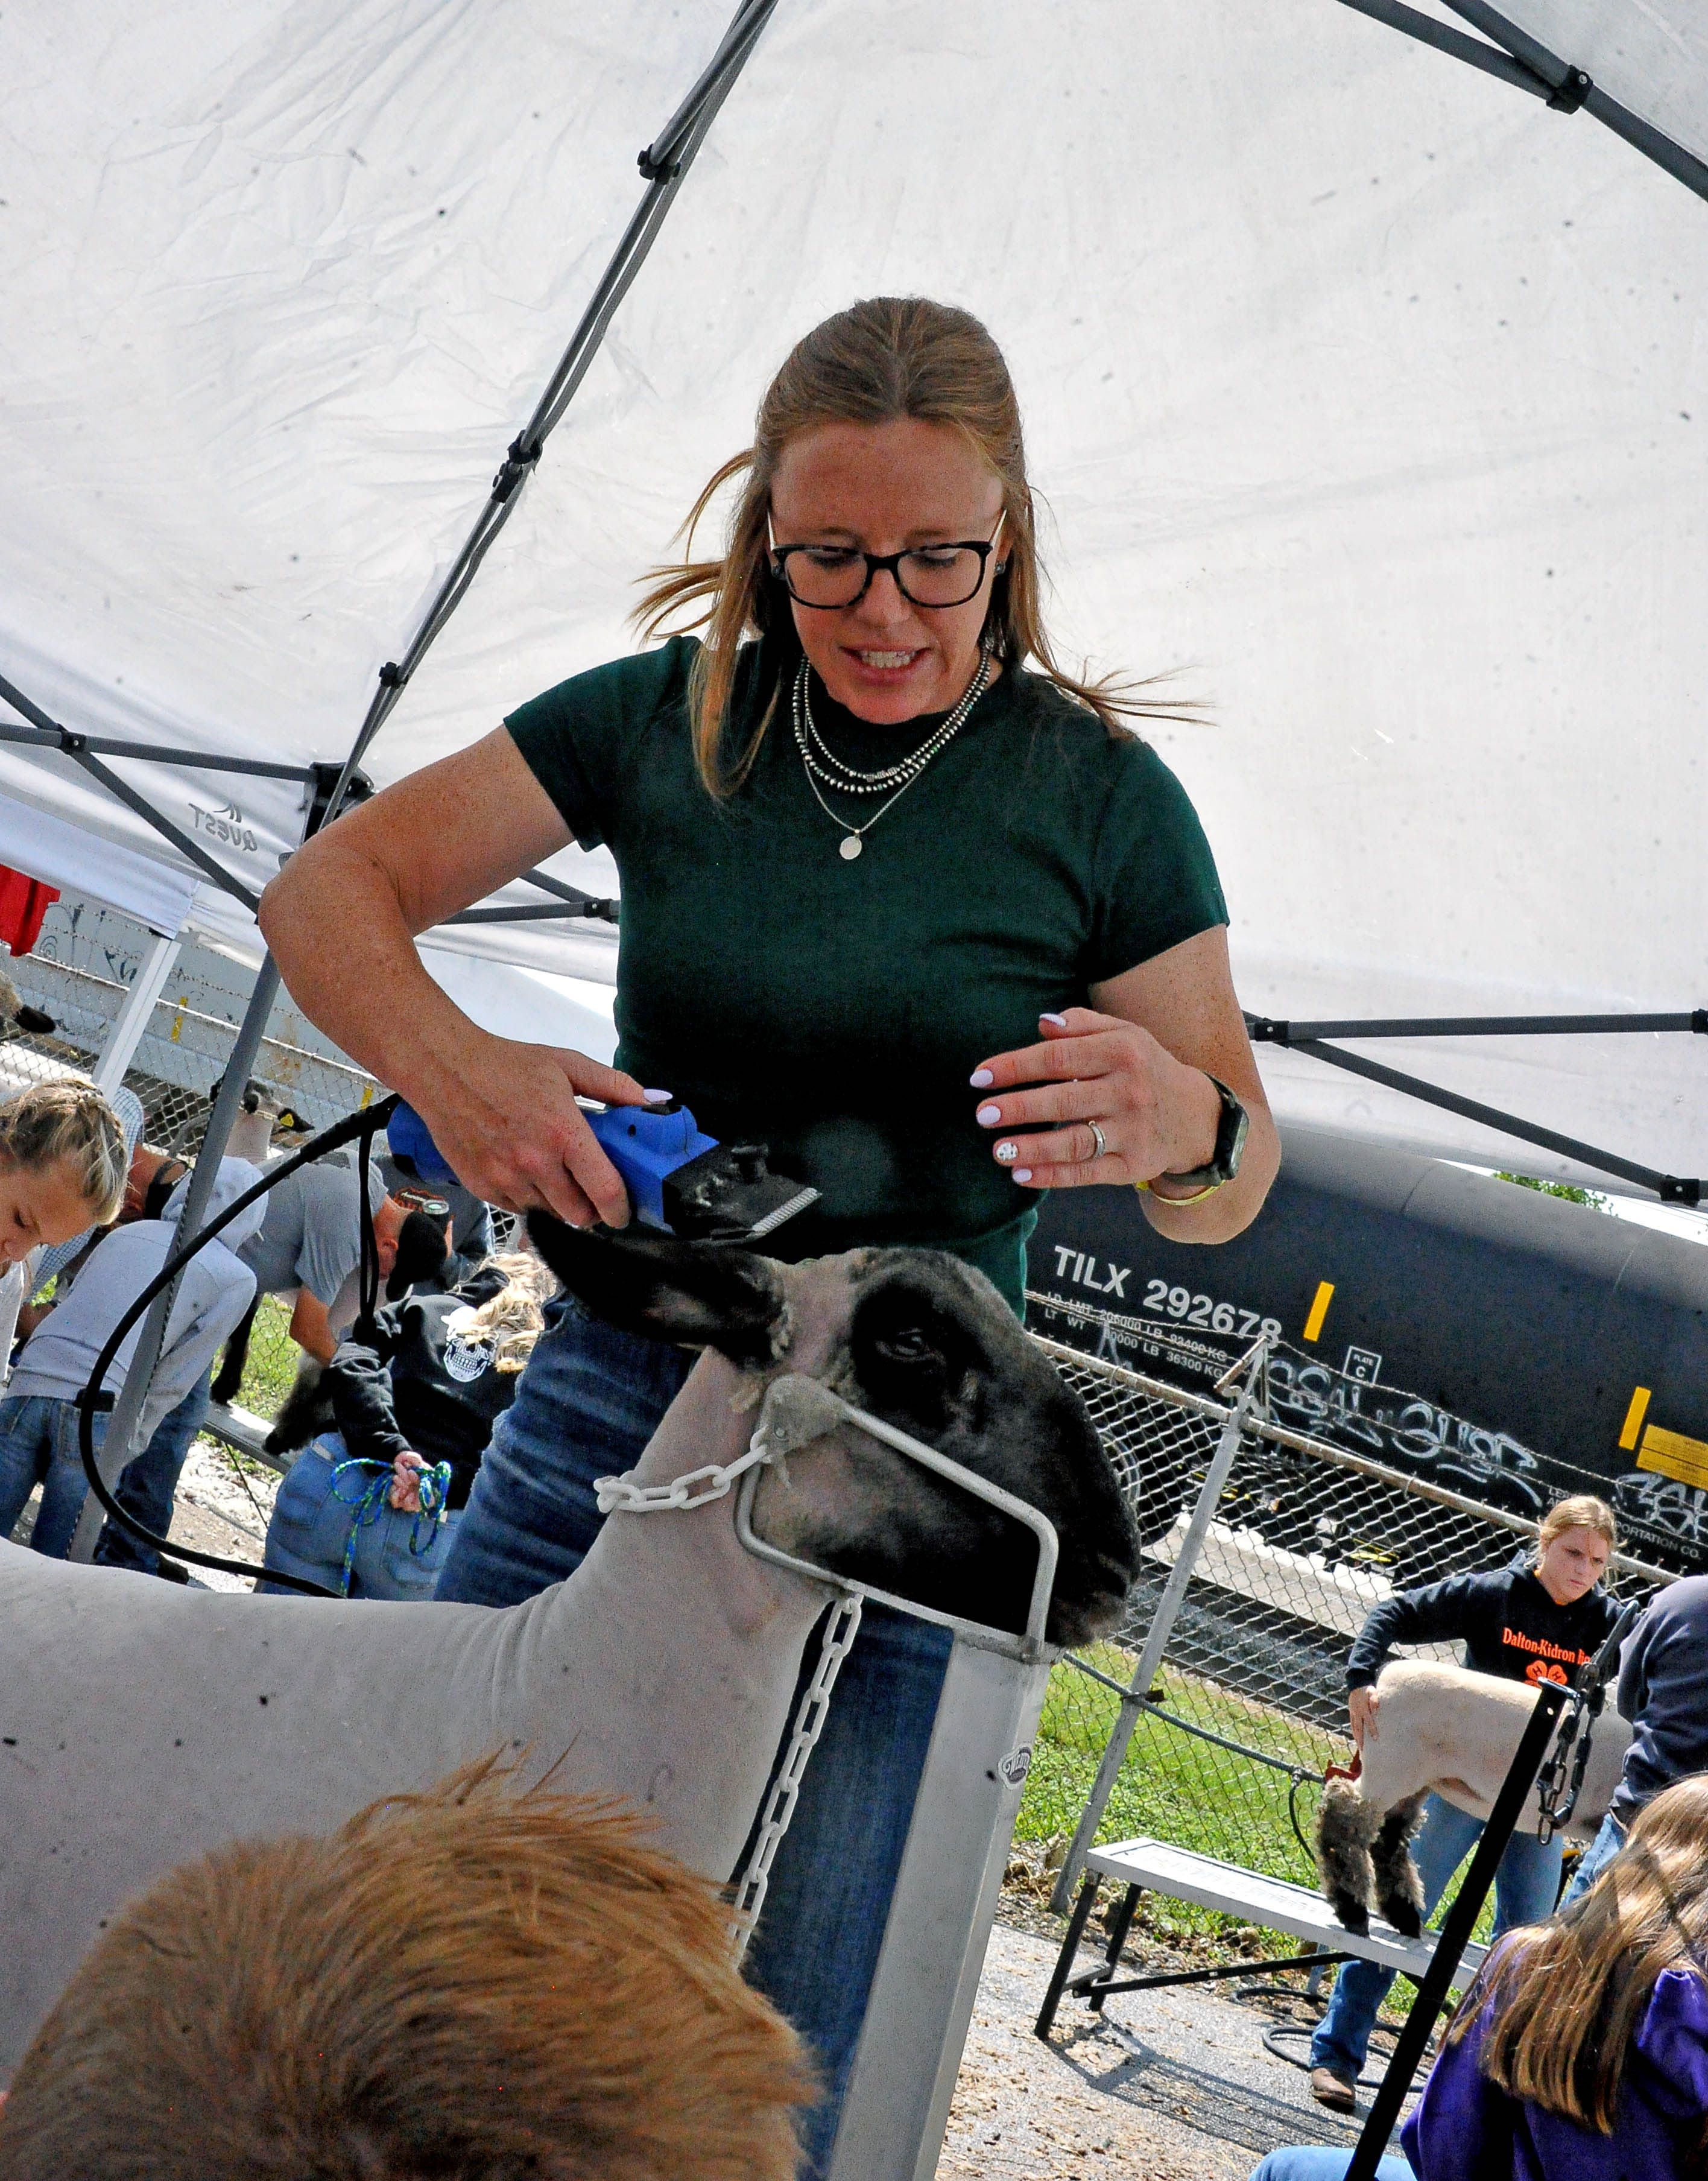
981 1079
658 1098
988 1116
1007 1151
1060 1021
1023 1174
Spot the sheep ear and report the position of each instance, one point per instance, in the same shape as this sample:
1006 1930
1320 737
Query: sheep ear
698 1294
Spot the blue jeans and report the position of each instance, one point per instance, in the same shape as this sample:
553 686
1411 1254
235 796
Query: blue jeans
1526 1886
313 1522
39 1445
149 1485
588 1402
1301 2164
1595 1859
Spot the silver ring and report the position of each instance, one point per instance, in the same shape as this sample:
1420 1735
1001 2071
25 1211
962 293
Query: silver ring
1097 1132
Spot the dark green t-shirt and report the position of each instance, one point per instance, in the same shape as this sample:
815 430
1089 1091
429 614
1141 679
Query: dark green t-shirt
834 1009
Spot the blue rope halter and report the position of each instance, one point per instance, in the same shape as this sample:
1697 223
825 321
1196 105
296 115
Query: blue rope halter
433 1485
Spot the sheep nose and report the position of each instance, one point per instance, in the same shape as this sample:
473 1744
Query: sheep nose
1118 1570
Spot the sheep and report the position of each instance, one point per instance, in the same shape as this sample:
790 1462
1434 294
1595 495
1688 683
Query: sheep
1442 1730
141 1723
469 1981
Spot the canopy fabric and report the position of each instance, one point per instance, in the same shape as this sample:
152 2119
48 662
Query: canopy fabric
1359 385
76 861
1651 55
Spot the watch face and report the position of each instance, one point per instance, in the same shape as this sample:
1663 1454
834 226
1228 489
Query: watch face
1230 1161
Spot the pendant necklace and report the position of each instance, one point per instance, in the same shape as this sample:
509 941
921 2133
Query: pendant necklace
821 764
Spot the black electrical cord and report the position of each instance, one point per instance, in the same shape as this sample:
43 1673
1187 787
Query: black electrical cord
93 1400
1300 1779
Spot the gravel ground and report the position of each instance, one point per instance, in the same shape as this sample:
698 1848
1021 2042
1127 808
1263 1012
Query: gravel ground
1169 2086
214 1512
223 1507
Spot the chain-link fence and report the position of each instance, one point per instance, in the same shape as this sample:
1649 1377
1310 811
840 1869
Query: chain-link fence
1249 1706
181 1056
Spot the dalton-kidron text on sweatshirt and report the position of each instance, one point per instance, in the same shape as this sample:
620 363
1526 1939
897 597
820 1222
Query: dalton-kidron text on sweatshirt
1507 1623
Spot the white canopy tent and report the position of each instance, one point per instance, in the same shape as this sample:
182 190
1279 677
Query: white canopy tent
1360 385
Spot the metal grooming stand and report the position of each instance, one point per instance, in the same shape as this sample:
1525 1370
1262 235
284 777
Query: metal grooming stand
897 2105
896 2108
1253 1367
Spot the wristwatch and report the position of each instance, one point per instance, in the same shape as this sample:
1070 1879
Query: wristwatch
1224 1162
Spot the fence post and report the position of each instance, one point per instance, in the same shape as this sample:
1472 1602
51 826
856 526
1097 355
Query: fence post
116 1448
1161 1628
127 1032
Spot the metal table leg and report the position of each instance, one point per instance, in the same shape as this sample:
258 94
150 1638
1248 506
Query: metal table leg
1064 1960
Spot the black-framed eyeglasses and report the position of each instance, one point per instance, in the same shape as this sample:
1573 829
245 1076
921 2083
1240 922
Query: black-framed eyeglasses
836 576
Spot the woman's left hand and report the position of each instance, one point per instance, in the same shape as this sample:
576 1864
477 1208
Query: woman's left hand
1154 1114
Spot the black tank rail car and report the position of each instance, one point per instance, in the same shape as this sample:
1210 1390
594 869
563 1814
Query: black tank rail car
1507 1344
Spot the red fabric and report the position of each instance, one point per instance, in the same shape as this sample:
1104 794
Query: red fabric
22 904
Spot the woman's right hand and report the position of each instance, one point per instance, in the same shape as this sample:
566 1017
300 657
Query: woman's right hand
340 919
504 1117
1361 1704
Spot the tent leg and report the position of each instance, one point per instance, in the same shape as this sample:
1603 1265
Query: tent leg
121 1428
127 1032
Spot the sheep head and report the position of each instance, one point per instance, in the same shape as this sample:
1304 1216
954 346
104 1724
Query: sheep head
927 1344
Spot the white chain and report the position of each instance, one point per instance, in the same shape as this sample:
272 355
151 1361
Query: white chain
840 1630
622 1494
615 1495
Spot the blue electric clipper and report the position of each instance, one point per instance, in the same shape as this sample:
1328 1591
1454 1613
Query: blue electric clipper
679 1180
690 1184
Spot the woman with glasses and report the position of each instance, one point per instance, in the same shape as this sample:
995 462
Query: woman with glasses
901 898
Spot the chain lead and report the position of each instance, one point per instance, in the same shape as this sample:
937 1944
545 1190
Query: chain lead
622 1495
840 1630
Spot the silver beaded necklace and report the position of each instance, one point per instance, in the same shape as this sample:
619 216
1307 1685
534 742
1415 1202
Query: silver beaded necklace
821 764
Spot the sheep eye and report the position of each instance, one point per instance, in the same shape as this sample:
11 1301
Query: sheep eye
908 1346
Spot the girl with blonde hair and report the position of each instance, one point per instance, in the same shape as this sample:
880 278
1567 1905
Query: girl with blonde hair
901 898
63 1163
1540 1618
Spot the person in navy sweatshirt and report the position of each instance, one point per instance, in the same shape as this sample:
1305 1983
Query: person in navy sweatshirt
1537 1619
1663 1674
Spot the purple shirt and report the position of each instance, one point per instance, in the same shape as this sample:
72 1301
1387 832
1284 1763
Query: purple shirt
1466 2129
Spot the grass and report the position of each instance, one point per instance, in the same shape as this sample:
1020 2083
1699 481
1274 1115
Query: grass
272 1364
1175 1788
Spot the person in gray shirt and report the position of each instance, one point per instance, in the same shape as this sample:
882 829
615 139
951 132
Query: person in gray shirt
40 1436
309 1244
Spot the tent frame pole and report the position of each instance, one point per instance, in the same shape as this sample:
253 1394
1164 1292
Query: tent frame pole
1517 58
116 1449
663 164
